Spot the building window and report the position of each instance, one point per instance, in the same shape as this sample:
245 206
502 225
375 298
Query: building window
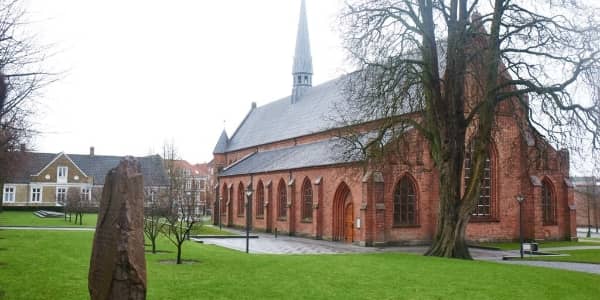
61 195
484 207
548 204
241 206
188 184
36 194
405 203
86 194
61 174
202 184
9 194
282 200
307 200
260 200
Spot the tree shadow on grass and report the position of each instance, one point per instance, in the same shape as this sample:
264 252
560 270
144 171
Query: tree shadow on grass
159 251
174 261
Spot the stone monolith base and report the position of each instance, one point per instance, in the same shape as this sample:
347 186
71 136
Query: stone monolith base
118 265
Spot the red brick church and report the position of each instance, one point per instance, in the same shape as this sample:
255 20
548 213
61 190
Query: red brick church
286 153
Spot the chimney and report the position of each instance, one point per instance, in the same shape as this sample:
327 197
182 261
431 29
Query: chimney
92 151
253 106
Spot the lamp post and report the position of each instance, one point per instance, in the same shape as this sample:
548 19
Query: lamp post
520 199
248 214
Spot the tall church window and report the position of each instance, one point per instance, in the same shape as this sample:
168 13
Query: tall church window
548 204
282 200
484 208
260 200
405 203
241 206
307 200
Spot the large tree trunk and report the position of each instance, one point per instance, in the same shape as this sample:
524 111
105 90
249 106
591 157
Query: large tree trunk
453 217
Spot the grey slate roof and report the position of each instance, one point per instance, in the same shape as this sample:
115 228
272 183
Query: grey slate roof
96 166
282 120
221 146
323 153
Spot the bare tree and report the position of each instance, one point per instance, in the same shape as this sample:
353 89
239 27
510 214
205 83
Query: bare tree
71 204
21 63
182 212
155 213
446 67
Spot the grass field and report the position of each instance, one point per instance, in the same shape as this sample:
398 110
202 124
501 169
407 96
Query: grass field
54 265
22 218
26 218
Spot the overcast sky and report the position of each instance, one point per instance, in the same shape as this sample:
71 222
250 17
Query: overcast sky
139 72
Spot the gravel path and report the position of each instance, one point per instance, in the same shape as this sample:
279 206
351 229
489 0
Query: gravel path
48 228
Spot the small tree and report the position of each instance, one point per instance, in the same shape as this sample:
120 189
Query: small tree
181 214
155 213
180 221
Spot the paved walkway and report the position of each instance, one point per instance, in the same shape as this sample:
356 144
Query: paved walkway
268 244
578 267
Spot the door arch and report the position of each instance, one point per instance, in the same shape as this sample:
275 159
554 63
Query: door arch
343 215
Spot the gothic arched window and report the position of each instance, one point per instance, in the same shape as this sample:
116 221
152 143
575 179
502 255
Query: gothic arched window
240 199
548 204
405 203
307 200
260 199
484 209
282 199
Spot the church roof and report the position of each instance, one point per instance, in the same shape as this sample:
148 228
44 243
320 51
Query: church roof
96 166
302 56
323 153
281 120
221 146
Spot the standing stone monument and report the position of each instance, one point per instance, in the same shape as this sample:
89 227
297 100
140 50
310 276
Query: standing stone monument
118 265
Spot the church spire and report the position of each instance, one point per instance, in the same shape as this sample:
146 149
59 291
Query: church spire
302 70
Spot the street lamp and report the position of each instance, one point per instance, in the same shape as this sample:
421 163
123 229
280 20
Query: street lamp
248 214
520 199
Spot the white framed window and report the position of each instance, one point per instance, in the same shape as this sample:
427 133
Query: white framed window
8 195
36 194
61 195
62 173
188 184
86 193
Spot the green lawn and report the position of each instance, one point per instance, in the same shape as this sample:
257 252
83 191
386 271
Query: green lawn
27 218
542 245
54 265
209 230
582 256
